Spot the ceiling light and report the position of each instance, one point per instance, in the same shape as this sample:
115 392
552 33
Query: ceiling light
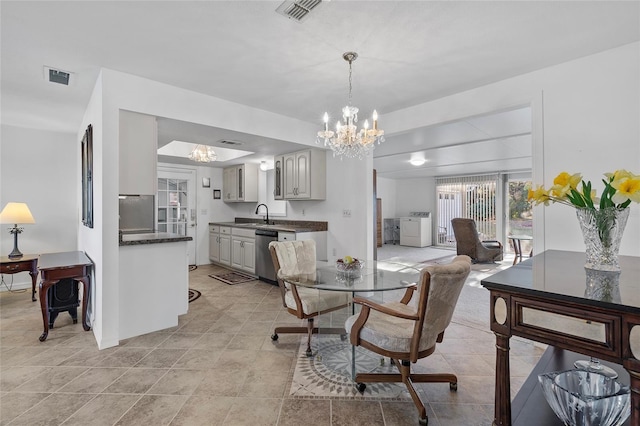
203 154
417 161
264 166
347 140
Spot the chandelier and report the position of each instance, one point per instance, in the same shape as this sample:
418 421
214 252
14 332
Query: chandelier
203 154
347 140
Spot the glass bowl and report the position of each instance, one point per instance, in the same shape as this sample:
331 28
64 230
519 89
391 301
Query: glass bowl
586 398
353 267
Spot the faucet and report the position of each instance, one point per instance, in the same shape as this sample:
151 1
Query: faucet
265 206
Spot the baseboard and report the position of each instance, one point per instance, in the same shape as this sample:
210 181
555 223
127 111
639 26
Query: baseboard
15 286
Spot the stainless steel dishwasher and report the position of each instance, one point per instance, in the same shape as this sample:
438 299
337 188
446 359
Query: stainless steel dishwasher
264 264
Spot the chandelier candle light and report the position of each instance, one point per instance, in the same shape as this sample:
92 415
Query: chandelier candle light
347 140
203 154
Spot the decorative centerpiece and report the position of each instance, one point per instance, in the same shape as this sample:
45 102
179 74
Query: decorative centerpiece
602 220
586 398
349 269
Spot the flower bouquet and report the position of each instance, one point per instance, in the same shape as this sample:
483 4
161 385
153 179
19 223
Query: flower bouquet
602 219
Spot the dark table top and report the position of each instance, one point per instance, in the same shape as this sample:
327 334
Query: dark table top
24 257
560 275
63 260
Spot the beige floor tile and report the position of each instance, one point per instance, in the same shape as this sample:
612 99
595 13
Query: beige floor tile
53 410
52 379
161 358
214 340
265 384
136 380
13 404
297 412
461 414
103 410
125 357
253 412
12 377
200 359
94 380
177 382
203 410
180 340
348 413
222 381
153 410
404 413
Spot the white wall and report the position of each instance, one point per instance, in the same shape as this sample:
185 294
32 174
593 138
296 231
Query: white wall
585 119
415 195
386 190
40 168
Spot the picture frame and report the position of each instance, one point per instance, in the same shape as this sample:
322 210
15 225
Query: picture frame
217 194
206 182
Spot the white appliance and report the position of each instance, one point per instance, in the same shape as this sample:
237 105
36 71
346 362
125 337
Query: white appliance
415 230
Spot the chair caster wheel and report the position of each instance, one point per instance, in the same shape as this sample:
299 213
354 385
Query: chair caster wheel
423 422
343 337
361 387
453 386
274 337
308 353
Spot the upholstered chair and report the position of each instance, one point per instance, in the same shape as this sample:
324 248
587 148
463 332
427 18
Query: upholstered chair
296 261
408 330
468 242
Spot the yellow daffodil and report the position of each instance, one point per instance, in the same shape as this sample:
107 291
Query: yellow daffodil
620 174
539 195
627 188
564 183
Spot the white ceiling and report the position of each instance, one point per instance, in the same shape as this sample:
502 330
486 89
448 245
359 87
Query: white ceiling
410 52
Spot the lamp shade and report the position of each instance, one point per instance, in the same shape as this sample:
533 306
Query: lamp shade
16 213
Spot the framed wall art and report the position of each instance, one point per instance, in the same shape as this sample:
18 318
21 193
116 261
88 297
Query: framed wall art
87 177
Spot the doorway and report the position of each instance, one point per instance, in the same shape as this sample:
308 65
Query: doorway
176 205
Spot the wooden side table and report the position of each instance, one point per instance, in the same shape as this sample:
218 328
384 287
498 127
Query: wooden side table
26 263
517 247
57 266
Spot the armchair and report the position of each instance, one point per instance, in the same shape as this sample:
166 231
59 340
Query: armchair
468 242
406 333
298 259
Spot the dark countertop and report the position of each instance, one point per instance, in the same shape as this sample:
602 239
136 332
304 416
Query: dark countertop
276 225
151 238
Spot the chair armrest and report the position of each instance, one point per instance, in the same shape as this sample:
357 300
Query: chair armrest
384 309
493 242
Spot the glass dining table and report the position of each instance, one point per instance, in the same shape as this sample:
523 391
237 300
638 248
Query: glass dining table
379 280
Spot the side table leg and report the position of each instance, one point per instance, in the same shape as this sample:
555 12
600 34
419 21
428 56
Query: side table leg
503 382
42 295
34 278
85 300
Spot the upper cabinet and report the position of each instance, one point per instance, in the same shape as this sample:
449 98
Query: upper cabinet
138 153
278 177
305 176
240 183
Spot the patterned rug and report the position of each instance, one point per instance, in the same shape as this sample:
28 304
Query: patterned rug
232 277
328 372
193 295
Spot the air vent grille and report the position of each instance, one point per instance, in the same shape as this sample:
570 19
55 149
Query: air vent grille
53 75
297 10
226 142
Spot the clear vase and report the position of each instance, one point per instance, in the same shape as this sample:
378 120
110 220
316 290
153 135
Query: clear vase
602 232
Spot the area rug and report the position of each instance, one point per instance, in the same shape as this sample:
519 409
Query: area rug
232 277
193 267
328 372
193 295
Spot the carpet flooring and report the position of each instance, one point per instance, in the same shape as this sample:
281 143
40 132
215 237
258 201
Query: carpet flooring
232 277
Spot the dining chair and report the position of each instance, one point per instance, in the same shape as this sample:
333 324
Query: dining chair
468 242
296 260
407 331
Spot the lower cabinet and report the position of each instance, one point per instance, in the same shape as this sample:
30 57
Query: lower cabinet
243 253
220 244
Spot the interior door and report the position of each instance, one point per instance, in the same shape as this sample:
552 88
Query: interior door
176 205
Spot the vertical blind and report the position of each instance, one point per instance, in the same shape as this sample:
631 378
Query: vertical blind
472 197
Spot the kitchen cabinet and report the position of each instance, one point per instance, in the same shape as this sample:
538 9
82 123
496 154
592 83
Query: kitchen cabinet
137 153
320 237
220 244
243 249
240 183
305 176
278 176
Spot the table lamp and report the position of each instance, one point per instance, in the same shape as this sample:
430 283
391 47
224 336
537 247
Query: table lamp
16 213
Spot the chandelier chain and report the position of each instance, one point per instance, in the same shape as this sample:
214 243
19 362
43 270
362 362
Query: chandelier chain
350 80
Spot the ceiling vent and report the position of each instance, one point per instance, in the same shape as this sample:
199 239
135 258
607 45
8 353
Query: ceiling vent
53 75
297 10
226 142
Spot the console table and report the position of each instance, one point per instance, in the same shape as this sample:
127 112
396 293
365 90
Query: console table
25 263
551 298
58 266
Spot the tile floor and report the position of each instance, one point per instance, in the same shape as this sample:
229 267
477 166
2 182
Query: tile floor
217 367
